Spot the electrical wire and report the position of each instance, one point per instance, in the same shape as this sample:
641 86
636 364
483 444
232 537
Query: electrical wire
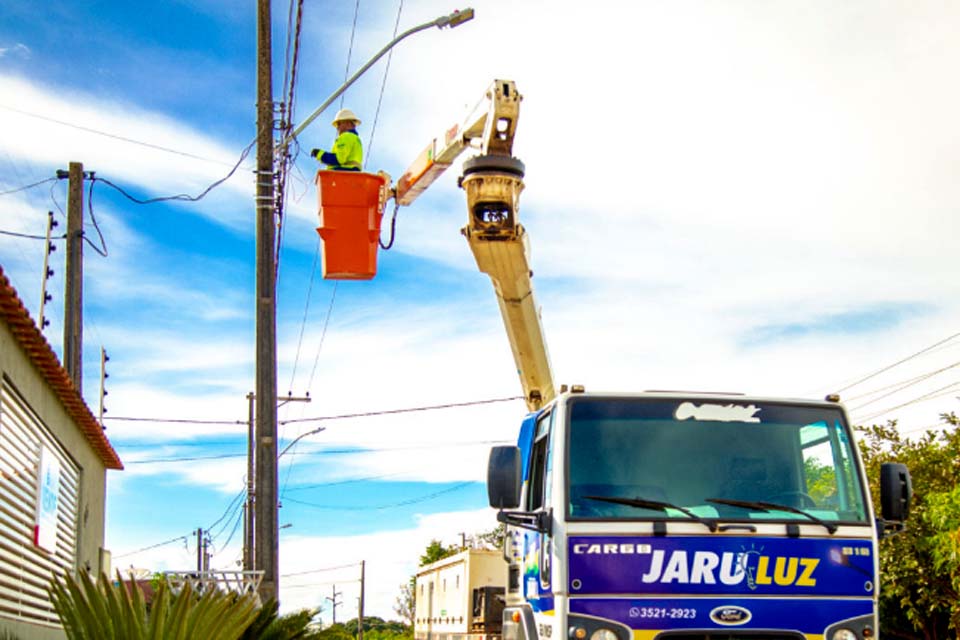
306 309
323 333
304 573
366 414
349 481
114 136
373 131
353 32
327 452
900 386
153 546
383 84
55 203
936 393
28 186
93 219
286 125
897 363
405 503
387 412
233 532
29 236
183 197
230 507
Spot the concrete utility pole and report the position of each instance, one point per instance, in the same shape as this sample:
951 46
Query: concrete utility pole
248 530
73 277
266 550
334 603
363 564
199 549
249 543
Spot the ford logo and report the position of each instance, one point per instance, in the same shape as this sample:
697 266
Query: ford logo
730 615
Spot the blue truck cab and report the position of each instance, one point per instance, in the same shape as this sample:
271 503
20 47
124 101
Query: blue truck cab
674 516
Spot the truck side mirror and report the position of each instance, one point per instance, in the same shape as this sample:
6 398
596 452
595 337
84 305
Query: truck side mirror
896 491
503 477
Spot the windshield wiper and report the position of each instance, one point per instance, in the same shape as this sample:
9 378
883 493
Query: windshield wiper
656 505
770 506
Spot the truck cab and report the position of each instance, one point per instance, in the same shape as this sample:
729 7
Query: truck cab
681 516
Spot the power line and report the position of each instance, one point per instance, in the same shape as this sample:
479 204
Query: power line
303 573
230 507
386 412
897 363
404 503
236 525
353 31
114 136
936 393
29 236
323 333
93 219
383 84
28 186
900 386
349 481
173 420
344 416
306 309
182 197
153 546
324 452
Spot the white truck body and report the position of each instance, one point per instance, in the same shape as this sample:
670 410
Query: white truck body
456 598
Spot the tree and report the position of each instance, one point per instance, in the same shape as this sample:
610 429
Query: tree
492 539
403 605
436 551
919 595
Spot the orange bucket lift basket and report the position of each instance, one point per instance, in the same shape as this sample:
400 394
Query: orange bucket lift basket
351 208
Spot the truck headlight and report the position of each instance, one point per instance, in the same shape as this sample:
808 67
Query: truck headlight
844 634
607 634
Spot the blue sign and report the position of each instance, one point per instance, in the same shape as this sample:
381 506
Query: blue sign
720 565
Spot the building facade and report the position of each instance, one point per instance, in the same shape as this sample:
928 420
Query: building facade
54 458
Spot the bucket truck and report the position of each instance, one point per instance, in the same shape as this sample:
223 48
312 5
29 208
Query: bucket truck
635 516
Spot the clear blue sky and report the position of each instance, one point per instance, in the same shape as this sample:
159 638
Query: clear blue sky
720 196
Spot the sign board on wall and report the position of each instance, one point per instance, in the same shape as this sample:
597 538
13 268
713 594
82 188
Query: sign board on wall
48 501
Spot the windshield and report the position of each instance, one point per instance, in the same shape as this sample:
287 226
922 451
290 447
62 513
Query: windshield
715 460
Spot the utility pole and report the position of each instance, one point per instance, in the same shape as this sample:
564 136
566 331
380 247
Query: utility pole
73 276
363 564
199 550
334 603
266 549
249 539
248 507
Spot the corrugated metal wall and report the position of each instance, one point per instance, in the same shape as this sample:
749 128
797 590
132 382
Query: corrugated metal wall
26 569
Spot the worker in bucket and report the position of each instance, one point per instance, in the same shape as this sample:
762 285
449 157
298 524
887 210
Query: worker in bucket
347 154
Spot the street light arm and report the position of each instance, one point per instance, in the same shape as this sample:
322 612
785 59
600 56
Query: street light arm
299 438
453 20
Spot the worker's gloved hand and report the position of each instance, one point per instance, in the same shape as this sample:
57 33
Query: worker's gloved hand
316 153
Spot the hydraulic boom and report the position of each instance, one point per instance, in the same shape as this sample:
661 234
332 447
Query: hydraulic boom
493 182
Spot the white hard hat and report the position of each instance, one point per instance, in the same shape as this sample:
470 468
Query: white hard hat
345 114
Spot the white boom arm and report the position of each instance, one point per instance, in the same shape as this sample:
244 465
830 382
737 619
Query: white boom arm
493 182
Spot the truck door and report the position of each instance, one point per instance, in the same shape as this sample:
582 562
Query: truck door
539 499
